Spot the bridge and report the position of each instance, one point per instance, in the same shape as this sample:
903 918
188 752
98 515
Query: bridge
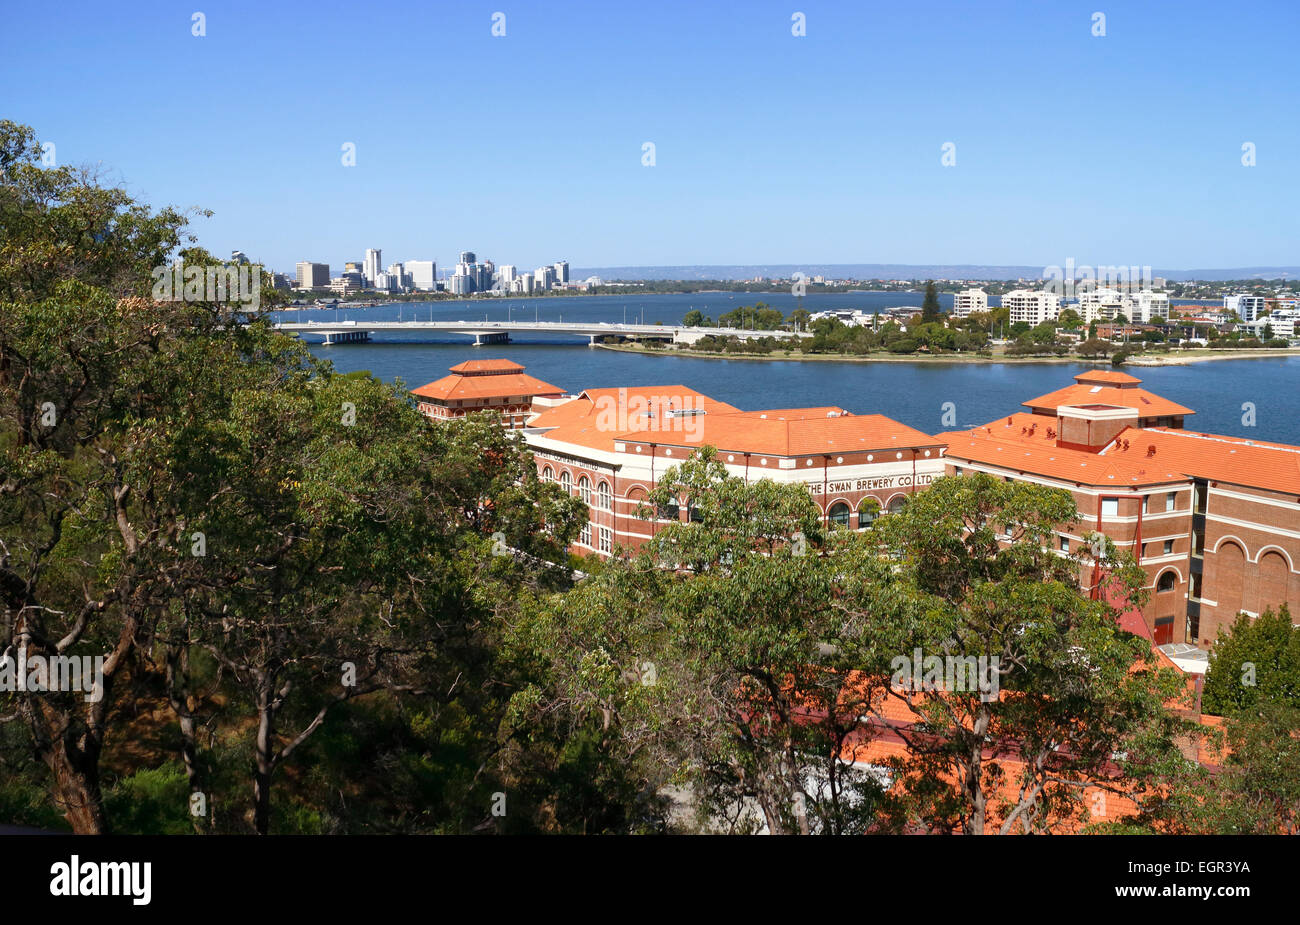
498 332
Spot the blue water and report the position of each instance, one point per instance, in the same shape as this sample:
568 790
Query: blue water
913 393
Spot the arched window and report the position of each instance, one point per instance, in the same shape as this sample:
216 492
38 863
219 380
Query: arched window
1167 582
565 481
546 474
897 504
604 497
839 514
868 511
584 489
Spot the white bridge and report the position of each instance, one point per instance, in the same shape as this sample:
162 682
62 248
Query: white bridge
498 332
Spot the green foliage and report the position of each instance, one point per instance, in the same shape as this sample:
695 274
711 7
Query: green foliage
1255 660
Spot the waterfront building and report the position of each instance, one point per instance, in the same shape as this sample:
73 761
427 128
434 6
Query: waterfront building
562 272
544 278
423 274
1247 307
609 446
485 385
1032 306
461 284
399 280
1214 521
969 300
313 275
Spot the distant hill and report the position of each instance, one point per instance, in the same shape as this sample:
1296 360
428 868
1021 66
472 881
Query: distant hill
893 271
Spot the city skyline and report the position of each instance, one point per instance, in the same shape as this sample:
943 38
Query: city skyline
827 147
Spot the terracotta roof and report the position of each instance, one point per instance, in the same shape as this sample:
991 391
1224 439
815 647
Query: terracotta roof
1106 377
599 416
487 366
456 387
1253 463
801 432
1147 403
1012 443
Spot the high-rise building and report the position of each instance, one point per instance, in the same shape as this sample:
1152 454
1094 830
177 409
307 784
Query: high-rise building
423 274
313 275
1247 307
524 282
467 257
372 264
969 300
562 271
1032 306
544 278
399 279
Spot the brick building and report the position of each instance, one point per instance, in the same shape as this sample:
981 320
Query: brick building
1213 520
610 445
484 385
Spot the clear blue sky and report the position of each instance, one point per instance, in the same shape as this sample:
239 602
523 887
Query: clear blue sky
770 148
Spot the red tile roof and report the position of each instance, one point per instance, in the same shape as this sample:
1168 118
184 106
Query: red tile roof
803 432
1014 443
1148 404
1252 463
487 366
480 379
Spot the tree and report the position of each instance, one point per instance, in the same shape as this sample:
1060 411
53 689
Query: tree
930 311
1070 319
718 651
1256 659
693 318
967 570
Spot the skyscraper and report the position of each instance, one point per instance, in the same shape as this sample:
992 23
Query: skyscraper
423 273
562 271
372 264
313 275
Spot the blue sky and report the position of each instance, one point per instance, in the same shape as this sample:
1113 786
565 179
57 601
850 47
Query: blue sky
770 148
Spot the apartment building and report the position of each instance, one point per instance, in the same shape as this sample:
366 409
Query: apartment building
969 300
1032 306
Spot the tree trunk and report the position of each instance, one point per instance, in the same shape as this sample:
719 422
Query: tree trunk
264 755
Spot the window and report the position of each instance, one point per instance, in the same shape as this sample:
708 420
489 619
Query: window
670 511
585 536
547 474
1169 547
897 504
1170 500
839 514
1109 507
1065 544
1146 506
606 540
604 498
566 481
1167 582
584 489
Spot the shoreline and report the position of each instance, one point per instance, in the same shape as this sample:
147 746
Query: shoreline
1181 359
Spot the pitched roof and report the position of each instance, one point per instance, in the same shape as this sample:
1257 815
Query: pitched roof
1253 463
1015 443
487 366
1106 377
801 432
1147 403
599 416
503 384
